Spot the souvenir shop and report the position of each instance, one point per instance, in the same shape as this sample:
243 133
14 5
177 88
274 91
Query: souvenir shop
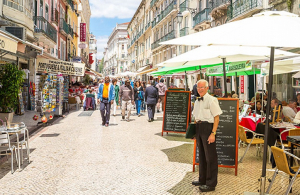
52 85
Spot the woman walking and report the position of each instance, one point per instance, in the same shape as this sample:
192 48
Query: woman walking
138 96
116 100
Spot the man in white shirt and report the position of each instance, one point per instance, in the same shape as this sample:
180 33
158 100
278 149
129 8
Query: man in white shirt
181 85
206 113
288 111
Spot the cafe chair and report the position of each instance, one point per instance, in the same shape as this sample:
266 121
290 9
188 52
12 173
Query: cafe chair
254 141
5 146
72 101
281 161
23 142
291 132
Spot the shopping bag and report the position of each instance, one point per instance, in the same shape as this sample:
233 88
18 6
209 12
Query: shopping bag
191 131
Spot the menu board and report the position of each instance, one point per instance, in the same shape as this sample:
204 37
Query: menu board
227 135
177 111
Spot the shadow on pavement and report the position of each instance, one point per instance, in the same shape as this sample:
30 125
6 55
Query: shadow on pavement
175 137
185 185
181 154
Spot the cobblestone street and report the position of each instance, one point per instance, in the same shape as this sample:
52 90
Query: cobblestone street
79 156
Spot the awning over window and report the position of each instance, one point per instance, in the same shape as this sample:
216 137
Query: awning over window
93 72
147 71
143 69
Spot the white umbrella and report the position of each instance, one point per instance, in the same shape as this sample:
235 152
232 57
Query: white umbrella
268 29
271 28
206 55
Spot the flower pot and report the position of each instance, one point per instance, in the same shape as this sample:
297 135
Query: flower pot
8 115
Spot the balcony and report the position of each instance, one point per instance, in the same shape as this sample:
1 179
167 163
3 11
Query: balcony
218 3
201 17
243 8
147 26
71 32
164 13
184 31
183 6
152 3
43 27
169 36
219 8
63 27
70 4
55 17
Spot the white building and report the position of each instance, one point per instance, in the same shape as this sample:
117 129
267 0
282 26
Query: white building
93 51
115 55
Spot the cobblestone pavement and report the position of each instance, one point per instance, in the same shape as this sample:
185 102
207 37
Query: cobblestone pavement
79 156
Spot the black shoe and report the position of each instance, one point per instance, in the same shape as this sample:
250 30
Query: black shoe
149 120
197 183
103 124
152 119
205 188
123 117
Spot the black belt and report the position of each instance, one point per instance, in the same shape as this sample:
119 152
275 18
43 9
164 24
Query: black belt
202 122
105 98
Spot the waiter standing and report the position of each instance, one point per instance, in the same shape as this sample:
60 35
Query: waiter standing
206 112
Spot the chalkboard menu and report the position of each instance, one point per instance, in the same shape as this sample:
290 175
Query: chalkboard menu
227 135
176 111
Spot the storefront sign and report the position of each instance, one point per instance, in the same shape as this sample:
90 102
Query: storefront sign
232 67
55 66
242 85
82 32
8 44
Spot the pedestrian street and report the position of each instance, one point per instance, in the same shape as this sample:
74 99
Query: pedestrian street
77 155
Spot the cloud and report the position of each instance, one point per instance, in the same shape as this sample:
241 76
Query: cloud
101 44
114 8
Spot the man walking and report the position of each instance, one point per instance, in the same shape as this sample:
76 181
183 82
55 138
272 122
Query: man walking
127 98
151 98
162 88
206 112
106 96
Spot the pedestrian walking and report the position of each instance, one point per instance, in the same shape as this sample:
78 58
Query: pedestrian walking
162 88
127 98
206 113
143 107
138 97
116 100
151 98
106 96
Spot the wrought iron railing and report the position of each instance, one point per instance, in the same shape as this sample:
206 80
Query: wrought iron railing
70 2
184 31
216 3
55 15
169 36
43 26
241 6
147 26
164 13
202 16
71 32
63 26
152 3
183 6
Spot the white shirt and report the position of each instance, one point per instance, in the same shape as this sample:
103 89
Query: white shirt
288 112
181 85
206 109
297 118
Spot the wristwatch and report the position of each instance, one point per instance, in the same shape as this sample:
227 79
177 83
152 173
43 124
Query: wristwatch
214 132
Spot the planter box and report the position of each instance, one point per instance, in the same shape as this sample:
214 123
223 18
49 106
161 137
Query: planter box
9 116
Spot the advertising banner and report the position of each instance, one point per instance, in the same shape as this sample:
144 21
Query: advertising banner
55 66
82 32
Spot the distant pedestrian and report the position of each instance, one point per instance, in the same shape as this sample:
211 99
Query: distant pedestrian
106 96
138 97
127 98
143 107
162 88
151 98
181 85
116 100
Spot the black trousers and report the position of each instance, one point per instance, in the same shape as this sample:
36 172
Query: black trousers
208 159
151 110
105 111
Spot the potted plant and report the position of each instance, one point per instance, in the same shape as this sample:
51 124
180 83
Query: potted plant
11 80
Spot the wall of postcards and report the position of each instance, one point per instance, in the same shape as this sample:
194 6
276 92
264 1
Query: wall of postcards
49 92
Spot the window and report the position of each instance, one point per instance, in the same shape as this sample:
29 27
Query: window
47 12
122 47
16 4
41 8
28 8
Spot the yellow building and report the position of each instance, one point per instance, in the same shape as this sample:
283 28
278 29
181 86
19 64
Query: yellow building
72 20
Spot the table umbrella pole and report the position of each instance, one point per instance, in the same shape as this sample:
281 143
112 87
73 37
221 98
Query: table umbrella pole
186 83
200 72
263 175
224 76
236 83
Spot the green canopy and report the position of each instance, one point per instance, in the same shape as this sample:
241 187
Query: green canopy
240 73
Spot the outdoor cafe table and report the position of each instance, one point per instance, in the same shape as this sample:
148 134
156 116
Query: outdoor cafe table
249 122
17 131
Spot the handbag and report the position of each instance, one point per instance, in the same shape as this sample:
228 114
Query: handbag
140 96
191 131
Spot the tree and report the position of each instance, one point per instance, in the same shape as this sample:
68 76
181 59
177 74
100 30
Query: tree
101 65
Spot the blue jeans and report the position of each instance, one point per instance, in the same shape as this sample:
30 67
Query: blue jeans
138 106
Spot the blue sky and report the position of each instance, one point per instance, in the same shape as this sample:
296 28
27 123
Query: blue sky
106 14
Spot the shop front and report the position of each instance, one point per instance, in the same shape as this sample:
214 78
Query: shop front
53 80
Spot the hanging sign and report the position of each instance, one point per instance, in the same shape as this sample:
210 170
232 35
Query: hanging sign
55 66
242 84
82 32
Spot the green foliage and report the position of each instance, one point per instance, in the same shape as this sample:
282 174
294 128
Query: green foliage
86 79
289 4
12 80
101 65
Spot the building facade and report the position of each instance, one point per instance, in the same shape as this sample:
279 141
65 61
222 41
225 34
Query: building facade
115 54
93 52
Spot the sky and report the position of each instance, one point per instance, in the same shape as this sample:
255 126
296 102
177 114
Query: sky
106 14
